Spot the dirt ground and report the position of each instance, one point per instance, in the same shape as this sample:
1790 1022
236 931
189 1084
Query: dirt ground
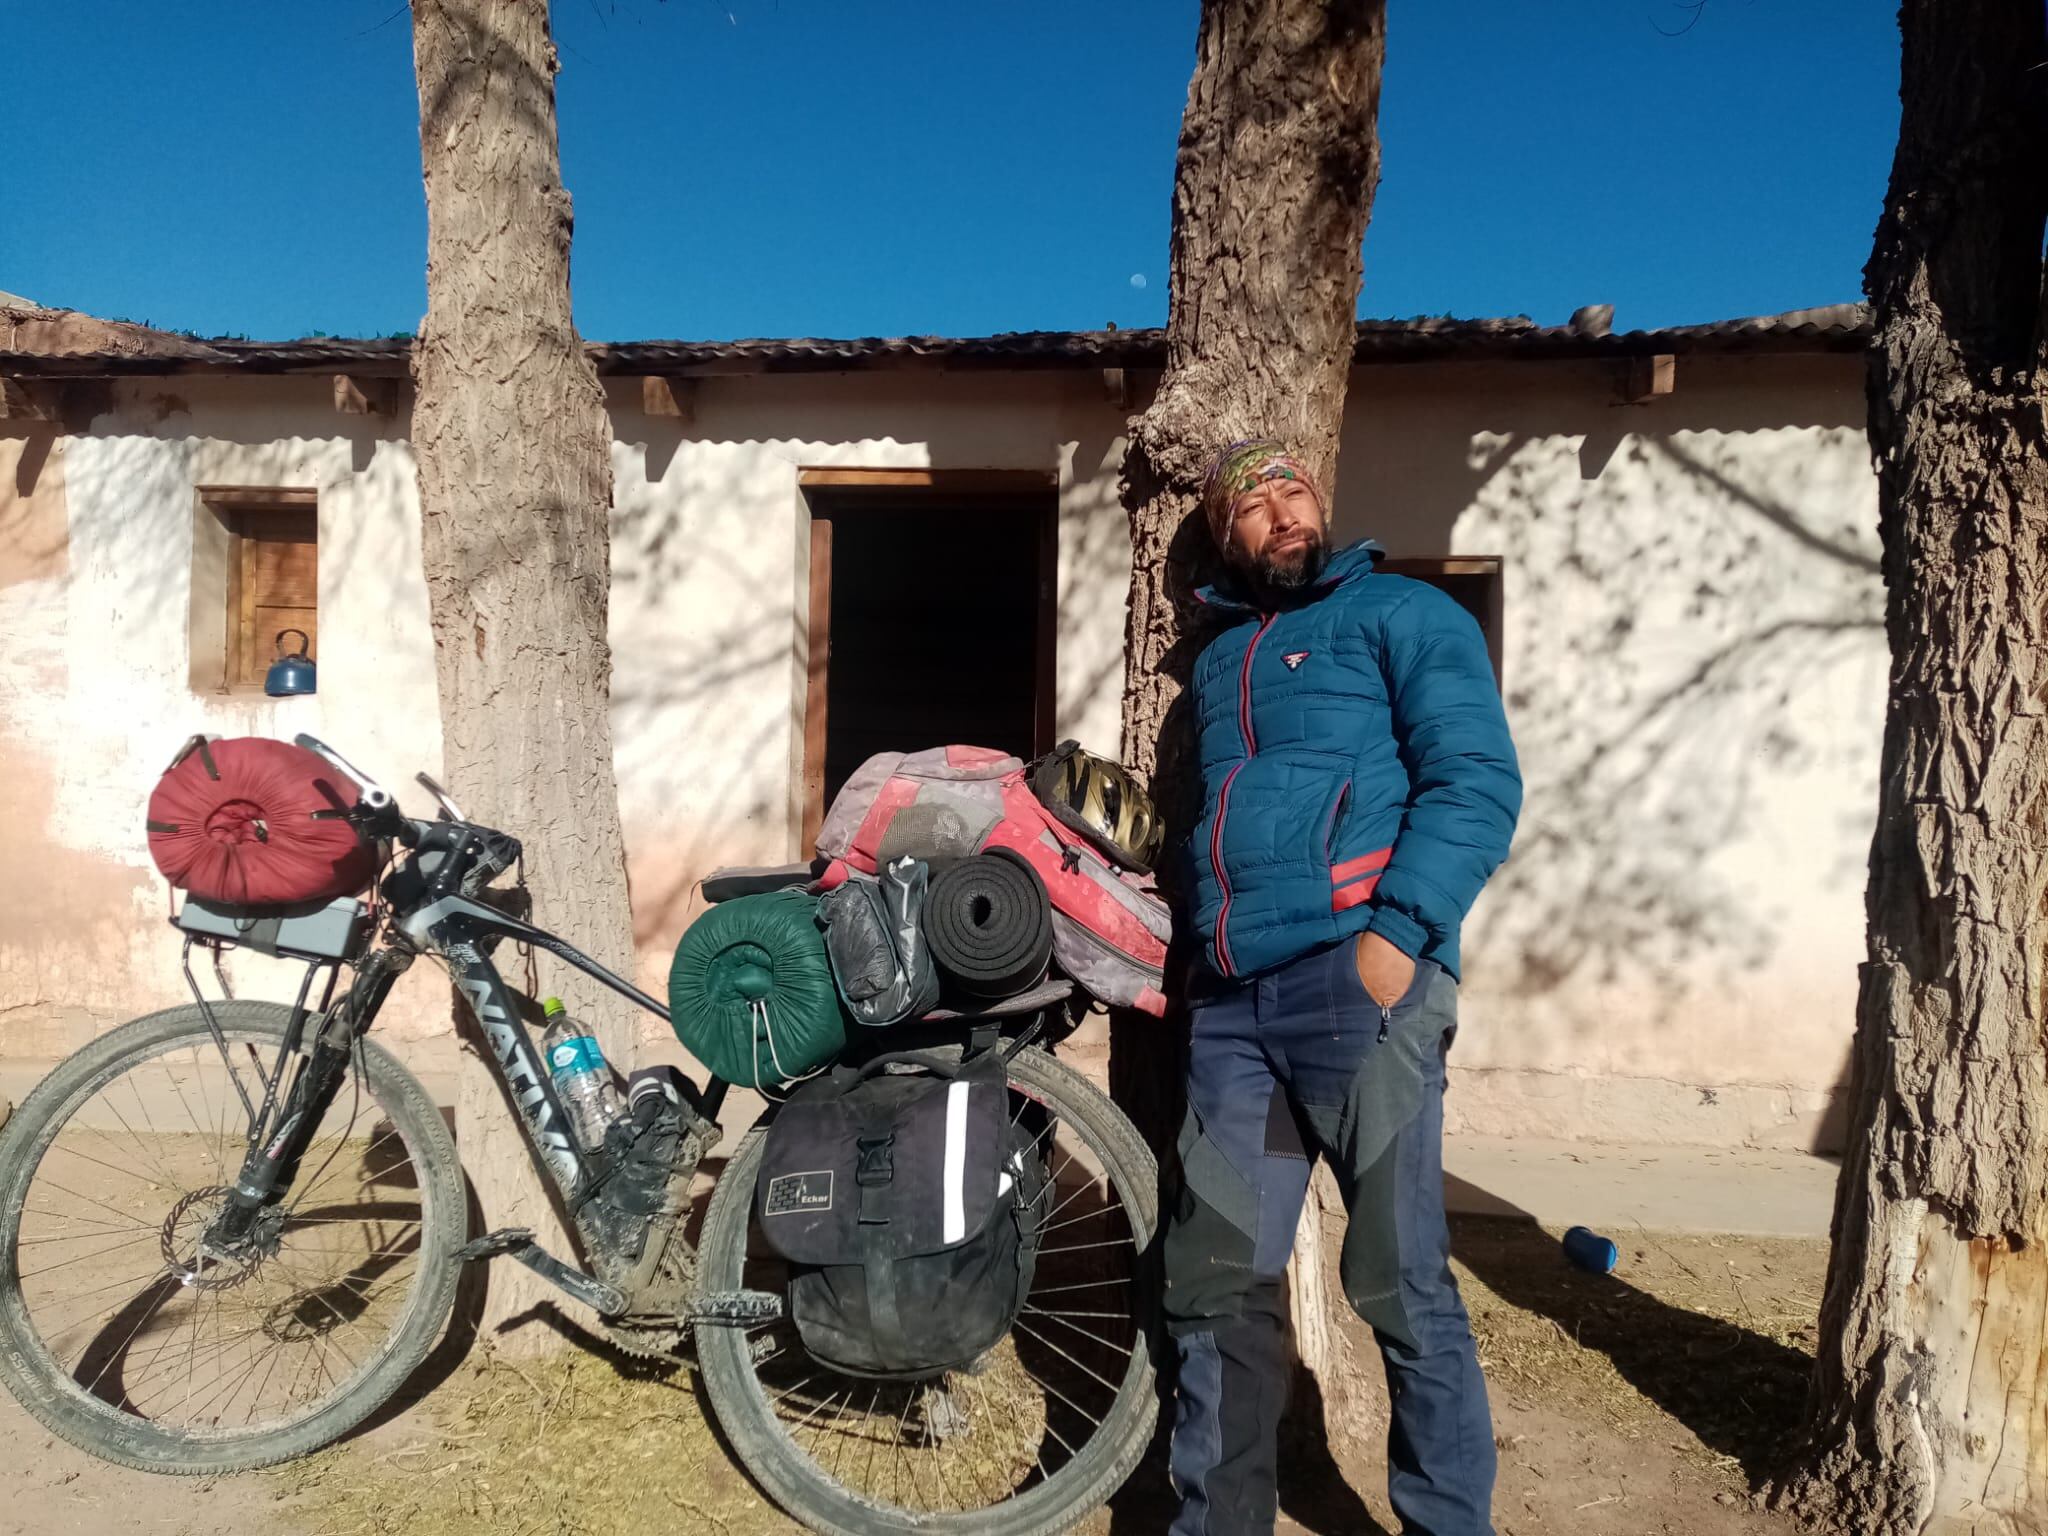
1643 1402
1652 1400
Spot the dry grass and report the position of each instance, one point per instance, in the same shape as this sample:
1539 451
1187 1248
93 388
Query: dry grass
594 1445
1696 1347
1716 1333
568 1446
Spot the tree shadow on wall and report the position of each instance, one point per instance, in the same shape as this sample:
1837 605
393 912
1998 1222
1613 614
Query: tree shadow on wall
1693 665
1660 745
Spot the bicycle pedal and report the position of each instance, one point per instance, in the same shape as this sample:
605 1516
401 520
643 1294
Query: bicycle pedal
735 1308
491 1244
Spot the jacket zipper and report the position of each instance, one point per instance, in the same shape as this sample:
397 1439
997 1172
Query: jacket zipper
1251 748
1336 815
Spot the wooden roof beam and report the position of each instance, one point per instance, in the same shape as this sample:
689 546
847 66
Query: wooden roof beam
70 403
358 394
672 398
29 400
1648 378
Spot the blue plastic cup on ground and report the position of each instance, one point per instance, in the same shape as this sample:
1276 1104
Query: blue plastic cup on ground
1589 1250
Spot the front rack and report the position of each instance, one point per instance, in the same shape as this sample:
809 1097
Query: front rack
295 1028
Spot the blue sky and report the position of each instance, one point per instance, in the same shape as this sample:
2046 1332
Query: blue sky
858 167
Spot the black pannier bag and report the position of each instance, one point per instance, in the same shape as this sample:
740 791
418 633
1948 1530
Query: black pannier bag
908 1205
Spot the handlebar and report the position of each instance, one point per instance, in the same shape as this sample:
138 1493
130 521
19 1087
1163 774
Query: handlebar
374 796
376 811
377 814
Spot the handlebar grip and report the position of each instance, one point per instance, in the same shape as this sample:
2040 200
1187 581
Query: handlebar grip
384 821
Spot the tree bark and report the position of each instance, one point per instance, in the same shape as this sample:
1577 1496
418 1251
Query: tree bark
1930 1399
1273 185
514 453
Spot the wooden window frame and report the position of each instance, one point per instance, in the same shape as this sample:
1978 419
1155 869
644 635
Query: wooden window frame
1423 567
234 506
841 487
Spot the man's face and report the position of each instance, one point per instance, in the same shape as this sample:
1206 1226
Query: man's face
1276 534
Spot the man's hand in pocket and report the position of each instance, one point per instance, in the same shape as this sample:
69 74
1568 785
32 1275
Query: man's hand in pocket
1383 970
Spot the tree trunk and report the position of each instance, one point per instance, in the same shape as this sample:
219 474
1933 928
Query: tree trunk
514 452
1930 1404
1279 155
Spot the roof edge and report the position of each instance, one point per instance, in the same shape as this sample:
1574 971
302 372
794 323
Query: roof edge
132 350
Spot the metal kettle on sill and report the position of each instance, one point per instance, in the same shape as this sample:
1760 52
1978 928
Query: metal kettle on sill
293 671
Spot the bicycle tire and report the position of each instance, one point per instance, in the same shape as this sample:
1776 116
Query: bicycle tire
46 1389
803 1489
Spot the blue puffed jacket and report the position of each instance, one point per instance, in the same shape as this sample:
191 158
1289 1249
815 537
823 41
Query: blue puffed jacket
1356 770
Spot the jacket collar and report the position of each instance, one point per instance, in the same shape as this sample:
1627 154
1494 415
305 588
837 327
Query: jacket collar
1352 563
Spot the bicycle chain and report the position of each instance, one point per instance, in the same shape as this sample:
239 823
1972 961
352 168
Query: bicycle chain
657 1333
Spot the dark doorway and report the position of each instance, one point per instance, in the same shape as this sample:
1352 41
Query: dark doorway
935 610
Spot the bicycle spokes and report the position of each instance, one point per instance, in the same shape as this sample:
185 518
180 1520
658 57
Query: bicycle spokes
143 1304
971 1439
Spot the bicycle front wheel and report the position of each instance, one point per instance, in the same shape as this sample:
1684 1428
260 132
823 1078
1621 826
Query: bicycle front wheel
1032 1439
129 1331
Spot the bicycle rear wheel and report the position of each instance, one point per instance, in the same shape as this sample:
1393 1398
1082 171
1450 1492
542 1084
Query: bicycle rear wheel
1039 1434
124 1332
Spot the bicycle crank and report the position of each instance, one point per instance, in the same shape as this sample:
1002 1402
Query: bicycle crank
608 1301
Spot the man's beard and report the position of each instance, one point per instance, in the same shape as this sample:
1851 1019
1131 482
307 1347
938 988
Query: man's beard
1289 574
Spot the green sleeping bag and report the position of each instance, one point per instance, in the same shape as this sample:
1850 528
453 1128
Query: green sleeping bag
751 993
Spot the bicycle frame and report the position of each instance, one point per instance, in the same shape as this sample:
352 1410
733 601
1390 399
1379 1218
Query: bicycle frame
461 930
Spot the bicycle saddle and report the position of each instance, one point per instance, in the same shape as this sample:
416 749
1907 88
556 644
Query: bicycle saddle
726 884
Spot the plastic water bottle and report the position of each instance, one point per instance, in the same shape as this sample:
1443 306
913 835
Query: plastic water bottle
1589 1250
582 1076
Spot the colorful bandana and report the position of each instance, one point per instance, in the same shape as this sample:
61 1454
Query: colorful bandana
1238 469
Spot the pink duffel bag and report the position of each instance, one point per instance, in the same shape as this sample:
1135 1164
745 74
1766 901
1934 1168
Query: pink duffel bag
1109 930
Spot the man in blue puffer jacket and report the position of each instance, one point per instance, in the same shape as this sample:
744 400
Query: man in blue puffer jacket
1359 787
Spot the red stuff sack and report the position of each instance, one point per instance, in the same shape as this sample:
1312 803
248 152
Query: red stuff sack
246 822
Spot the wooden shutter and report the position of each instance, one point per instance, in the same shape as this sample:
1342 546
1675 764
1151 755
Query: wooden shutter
273 585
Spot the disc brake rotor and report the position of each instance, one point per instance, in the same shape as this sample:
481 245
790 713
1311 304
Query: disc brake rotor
203 1265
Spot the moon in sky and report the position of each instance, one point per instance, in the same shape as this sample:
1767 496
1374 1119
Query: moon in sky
1137 279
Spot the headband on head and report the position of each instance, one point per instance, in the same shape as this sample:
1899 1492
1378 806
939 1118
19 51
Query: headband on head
1241 467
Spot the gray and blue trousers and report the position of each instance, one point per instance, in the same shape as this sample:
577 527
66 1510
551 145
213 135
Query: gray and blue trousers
1286 1067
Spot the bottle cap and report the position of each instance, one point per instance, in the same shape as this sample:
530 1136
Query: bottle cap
551 1007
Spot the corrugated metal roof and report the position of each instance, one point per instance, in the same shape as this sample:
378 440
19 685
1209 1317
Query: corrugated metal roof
1837 328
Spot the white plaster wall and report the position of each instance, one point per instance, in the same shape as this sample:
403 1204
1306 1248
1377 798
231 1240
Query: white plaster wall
95 690
1694 667
710 593
1692 662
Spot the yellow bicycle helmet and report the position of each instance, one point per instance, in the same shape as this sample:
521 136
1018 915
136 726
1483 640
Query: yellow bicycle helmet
1098 798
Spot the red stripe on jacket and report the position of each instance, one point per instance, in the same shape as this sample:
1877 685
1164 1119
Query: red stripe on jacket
1364 864
1353 882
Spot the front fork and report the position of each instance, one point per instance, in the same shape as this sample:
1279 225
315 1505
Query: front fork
276 1146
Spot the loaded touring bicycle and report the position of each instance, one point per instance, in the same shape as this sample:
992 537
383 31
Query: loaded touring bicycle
231 1230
